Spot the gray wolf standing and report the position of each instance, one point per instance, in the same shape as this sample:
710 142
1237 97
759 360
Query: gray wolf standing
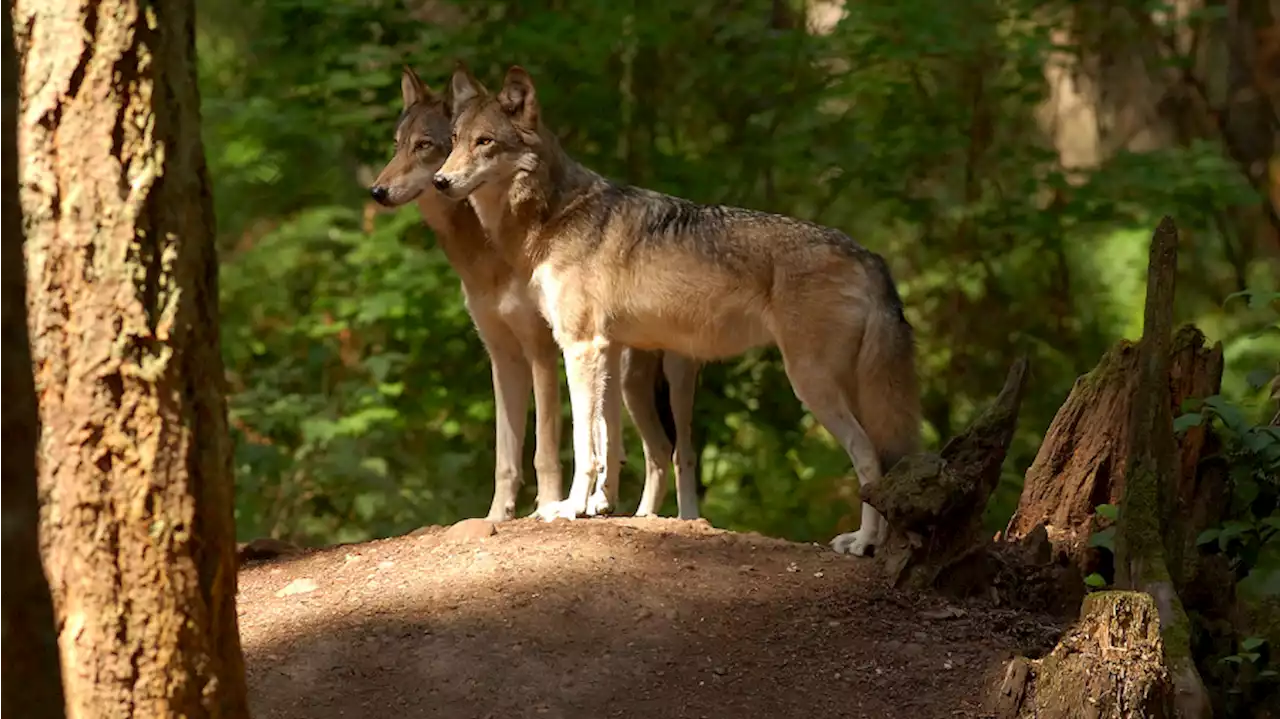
521 349
614 265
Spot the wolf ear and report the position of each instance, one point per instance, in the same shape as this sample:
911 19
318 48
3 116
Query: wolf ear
518 98
413 89
464 88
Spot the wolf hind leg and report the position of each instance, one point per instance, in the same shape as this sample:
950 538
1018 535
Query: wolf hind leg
816 380
639 378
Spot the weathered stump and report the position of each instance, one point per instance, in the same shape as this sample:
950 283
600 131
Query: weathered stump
1109 665
934 502
1082 461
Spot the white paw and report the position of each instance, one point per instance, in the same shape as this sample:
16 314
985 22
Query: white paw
856 543
557 510
599 505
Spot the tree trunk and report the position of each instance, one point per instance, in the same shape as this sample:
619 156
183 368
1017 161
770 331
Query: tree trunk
33 683
1082 461
136 479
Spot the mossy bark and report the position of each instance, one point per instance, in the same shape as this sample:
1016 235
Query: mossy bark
32 677
1147 521
135 458
934 503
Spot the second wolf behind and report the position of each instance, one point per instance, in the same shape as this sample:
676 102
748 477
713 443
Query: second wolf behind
521 349
615 265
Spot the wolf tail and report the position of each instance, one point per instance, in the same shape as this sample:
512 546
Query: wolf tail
887 395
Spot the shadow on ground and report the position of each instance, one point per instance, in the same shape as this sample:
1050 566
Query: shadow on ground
610 618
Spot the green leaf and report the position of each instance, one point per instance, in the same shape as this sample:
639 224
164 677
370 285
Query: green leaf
1105 539
1232 417
1208 536
1108 511
1259 378
1233 659
1250 644
1268 673
1250 657
1185 422
1095 580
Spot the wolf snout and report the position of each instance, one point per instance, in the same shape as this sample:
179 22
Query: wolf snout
440 182
380 194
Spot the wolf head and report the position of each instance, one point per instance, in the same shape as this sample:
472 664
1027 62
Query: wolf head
422 144
494 138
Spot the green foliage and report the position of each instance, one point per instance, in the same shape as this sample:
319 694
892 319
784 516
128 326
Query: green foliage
360 393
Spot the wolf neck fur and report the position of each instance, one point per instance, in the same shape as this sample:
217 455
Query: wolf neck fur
456 227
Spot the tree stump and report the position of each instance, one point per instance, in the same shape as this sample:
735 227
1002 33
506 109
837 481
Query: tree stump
1081 463
934 502
1109 665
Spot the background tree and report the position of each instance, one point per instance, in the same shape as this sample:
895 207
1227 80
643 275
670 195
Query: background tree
135 470
33 687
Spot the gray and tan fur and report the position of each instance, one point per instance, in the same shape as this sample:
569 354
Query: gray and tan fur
518 340
615 265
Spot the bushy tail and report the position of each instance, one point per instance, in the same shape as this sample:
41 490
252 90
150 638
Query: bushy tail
887 396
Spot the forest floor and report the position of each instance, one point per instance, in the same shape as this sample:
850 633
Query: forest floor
610 618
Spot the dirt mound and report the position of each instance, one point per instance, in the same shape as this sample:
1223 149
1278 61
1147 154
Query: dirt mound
609 618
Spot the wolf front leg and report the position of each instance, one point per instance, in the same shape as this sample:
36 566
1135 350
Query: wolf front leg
608 435
592 369
511 384
546 397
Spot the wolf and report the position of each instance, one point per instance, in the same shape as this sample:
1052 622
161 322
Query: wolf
519 342
614 265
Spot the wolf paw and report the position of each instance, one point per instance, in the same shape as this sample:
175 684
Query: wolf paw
557 510
599 505
858 543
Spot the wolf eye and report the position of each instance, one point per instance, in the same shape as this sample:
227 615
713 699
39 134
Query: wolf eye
422 144
483 141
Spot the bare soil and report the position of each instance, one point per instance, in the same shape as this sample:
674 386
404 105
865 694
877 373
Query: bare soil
610 618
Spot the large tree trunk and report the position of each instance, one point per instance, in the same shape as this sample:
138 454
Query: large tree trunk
32 682
136 468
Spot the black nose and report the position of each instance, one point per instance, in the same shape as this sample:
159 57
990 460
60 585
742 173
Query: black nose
379 193
441 182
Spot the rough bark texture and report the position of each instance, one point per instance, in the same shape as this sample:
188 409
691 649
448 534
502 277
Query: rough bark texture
1147 507
934 503
136 478
32 680
1109 666
1082 461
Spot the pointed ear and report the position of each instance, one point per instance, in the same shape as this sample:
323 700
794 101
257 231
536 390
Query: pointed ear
412 89
518 98
465 88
